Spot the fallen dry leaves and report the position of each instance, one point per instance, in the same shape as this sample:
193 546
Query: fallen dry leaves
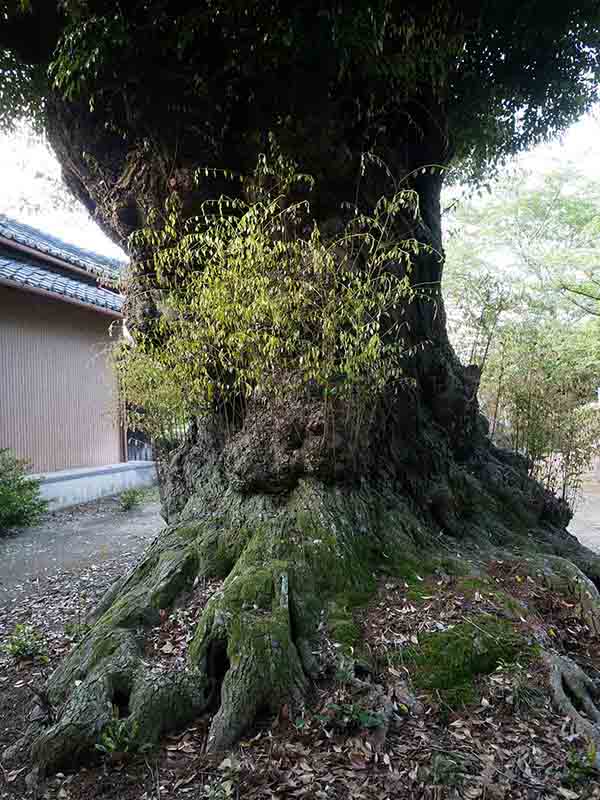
504 748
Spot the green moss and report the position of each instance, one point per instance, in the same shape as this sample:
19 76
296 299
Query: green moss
449 662
175 574
411 568
189 533
472 584
265 641
510 604
344 630
219 548
487 586
407 569
253 587
418 593
454 566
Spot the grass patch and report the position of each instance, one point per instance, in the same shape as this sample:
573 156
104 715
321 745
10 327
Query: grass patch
130 498
415 573
489 589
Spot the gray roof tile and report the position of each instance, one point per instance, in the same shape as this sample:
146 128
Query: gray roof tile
25 273
44 243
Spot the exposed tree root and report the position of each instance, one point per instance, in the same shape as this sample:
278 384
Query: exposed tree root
247 627
253 643
575 695
566 578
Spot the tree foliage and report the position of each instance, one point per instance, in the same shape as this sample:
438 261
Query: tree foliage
510 258
542 229
477 63
539 388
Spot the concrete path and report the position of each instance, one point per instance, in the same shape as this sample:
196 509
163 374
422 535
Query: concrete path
73 540
585 525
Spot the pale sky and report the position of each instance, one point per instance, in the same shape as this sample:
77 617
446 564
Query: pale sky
580 144
32 191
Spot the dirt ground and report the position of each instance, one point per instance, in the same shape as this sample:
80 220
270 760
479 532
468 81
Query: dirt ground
71 541
508 744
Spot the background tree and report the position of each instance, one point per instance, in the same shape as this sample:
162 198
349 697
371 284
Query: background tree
295 508
539 386
510 258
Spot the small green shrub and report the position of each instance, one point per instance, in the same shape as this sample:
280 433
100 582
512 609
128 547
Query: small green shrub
26 642
581 767
351 717
131 498
119 737
20 501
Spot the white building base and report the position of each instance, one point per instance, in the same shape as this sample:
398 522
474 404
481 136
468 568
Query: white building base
72 486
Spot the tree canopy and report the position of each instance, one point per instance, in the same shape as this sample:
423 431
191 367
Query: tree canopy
503 74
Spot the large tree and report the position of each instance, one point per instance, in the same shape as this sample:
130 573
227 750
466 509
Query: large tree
276 493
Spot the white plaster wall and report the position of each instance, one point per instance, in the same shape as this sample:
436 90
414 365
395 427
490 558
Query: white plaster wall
70 487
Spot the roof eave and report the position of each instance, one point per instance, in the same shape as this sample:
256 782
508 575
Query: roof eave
109 312
50 259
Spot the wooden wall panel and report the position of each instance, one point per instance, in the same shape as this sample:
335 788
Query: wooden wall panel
57 392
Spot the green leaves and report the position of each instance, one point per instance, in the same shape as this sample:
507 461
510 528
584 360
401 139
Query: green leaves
253 310
119 737
391 66
26 642
351 716
84 58
510 259
20 501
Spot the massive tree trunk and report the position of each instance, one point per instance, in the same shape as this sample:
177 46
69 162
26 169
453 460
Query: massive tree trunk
286 522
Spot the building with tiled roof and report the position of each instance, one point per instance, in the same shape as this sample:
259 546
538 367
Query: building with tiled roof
60 314
36 261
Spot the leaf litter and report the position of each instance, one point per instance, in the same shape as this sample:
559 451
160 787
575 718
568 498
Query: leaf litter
510 744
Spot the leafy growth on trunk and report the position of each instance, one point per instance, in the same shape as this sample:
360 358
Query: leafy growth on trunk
259 304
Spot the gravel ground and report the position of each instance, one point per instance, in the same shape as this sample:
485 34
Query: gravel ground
585 525
71 541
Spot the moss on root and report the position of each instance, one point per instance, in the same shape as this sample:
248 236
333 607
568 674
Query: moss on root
285 564
288 563
447 663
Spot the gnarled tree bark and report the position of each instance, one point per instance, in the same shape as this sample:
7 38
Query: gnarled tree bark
290 518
